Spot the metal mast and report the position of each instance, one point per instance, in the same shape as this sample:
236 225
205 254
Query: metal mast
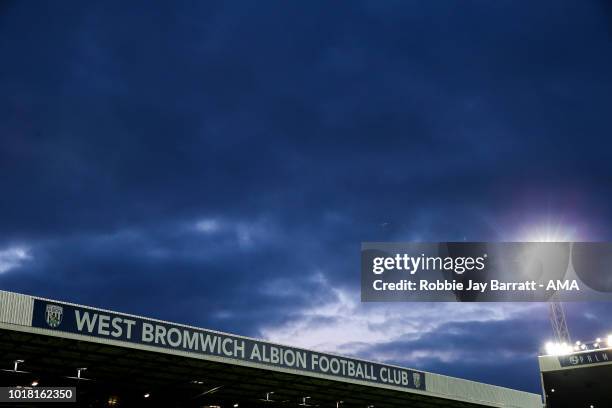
558 322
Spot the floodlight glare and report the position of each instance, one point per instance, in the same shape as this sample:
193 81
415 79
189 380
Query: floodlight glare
557 349
609 340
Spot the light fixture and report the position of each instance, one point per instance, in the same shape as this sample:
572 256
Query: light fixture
17 362
211 391
236 405
268 399
552 390
550 347
147 395
557 349
79 376
15 368
34 383
609 340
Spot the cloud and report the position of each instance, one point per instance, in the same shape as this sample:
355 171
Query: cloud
341 323
13 257
207 225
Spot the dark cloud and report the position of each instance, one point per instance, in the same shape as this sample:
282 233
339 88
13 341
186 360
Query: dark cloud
295 131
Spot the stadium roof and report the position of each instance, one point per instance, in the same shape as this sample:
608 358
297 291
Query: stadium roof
179 365
578 379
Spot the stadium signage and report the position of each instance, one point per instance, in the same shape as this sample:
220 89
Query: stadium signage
129 329
592 357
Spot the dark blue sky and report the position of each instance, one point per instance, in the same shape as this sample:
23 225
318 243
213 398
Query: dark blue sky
219 163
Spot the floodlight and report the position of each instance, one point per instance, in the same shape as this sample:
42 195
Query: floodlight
557 349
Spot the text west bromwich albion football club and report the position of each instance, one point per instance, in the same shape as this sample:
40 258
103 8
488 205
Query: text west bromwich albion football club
124 328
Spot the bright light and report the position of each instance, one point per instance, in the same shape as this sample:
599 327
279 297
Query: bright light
609 340
557 349
577 343
583 347
147 395
236 405
548 232
596 345
34 383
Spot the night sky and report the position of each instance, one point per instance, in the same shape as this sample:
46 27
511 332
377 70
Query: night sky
219 163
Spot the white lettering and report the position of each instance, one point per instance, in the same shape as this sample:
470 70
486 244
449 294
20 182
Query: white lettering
85 319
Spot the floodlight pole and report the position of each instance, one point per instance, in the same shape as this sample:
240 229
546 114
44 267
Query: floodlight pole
558 322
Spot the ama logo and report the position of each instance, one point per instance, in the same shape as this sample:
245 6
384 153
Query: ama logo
53 315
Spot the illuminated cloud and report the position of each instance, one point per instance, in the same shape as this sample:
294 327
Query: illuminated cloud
12 258
345 325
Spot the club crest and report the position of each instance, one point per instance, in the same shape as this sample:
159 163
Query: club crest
416 377
53 315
